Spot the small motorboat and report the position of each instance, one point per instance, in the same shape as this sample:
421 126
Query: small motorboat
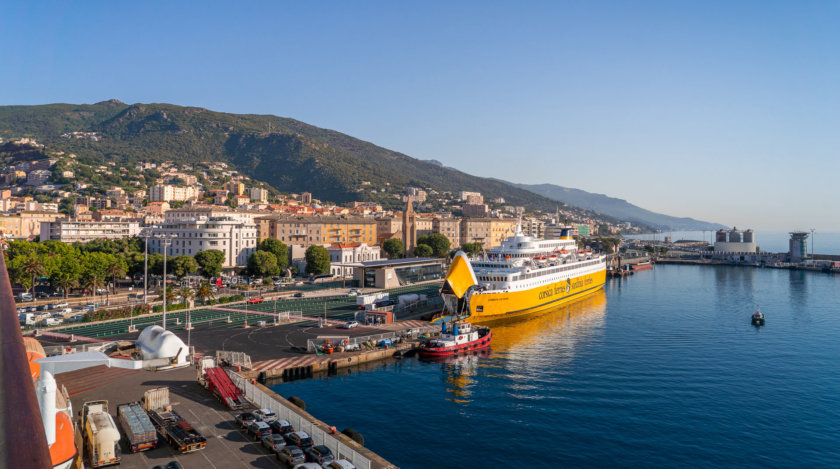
758 318
457 336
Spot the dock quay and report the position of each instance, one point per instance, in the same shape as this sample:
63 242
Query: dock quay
227 445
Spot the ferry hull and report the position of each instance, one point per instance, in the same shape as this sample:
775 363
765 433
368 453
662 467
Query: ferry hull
493 306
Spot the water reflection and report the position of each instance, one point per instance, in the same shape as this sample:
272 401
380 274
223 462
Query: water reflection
458 371
735 289
530 346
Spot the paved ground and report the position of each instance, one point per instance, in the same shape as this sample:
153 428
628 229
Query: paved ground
227 447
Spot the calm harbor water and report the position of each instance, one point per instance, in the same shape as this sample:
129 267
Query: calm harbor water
768 241
662 369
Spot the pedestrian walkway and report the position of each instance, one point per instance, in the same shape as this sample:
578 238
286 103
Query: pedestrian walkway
292 362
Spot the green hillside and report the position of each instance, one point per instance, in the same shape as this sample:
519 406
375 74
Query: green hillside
290 155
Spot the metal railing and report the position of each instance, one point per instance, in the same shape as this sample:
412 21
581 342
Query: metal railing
23 442
319 437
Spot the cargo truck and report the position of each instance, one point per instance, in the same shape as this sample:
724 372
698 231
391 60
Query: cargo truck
171 426
101 437
138 429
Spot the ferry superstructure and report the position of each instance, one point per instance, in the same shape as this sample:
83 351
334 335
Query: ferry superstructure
523 276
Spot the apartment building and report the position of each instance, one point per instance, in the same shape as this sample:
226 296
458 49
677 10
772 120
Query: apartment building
310 230
490 232
71 231
236 238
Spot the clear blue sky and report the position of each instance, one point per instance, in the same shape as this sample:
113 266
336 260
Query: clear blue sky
724 111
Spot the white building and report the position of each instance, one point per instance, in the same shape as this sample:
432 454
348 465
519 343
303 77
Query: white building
258 195
237 239
344 257
70 231
167 193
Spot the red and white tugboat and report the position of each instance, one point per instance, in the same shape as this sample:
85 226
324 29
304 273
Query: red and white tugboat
457 336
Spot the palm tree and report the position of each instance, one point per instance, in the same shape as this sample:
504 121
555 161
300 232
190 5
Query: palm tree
33 267
204 291
92 283
66 283
186 293
115 269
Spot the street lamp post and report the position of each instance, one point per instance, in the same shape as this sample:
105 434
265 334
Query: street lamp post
166 242
146 237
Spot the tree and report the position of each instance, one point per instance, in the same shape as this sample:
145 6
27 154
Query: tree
117 268
472 248
65 282
186 293
437 241
317 260
423 250
184 265
262 263
32 267
210 262
204 291
276 247
393 248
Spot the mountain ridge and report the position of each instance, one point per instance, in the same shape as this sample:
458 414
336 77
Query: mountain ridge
618 208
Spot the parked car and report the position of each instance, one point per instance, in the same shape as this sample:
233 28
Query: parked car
273 442
245 419
350 325
339 464
308 465
77 318
265 415
291 455
174 465
258 429
319 454
300 439
63 304
281 427
256 300
299 294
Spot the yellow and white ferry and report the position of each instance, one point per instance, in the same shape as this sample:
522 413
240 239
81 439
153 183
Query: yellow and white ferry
523 276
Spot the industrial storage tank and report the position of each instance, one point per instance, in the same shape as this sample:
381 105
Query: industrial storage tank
720 236
748 236
734 236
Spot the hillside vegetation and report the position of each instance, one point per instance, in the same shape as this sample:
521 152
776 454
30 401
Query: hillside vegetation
290 155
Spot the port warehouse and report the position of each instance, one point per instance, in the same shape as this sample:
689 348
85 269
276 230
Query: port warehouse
338 307
395 272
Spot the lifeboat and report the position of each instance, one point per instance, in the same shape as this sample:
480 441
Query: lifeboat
63 450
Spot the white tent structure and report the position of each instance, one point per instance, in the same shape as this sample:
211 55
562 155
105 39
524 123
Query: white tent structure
155 342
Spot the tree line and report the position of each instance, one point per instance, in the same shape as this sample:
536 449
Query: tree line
98 263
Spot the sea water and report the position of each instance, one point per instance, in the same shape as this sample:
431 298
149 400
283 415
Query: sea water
661 369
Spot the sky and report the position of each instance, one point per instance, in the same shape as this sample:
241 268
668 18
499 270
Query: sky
724 111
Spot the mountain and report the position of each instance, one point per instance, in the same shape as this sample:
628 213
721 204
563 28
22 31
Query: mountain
617 208
290 155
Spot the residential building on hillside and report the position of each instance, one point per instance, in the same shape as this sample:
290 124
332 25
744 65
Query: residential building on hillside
474 210
258 194
167 193
309 230
533 227
38 177
235 188
71 231
306 198
236 238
